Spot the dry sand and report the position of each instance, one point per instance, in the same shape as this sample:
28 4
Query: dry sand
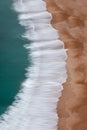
70 18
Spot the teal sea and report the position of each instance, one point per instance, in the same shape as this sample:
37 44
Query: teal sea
13 56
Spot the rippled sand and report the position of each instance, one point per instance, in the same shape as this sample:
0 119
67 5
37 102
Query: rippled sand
70 18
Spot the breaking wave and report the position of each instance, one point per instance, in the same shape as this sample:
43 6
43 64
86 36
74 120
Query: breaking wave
35 105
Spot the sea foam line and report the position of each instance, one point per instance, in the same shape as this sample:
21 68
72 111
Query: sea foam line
35 105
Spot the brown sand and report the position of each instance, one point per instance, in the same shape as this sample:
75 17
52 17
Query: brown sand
70 18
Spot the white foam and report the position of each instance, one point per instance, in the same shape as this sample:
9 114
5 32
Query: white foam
36 16
44 32
46 45
30 6
35 104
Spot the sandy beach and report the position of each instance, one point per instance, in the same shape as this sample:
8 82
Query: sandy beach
70 19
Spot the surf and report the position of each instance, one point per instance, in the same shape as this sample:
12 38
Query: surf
35 105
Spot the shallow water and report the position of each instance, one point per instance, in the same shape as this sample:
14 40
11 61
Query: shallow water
13 56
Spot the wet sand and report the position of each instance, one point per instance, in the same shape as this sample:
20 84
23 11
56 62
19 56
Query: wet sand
70 18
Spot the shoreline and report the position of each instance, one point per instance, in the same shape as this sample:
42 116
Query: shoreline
69 18
37 99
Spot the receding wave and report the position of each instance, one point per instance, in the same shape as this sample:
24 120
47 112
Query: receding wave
35 105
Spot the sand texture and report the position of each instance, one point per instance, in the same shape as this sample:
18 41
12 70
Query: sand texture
70 18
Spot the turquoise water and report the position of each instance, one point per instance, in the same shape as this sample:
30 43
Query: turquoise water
13 56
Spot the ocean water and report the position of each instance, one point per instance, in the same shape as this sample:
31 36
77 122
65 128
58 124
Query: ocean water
13 56
35 104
